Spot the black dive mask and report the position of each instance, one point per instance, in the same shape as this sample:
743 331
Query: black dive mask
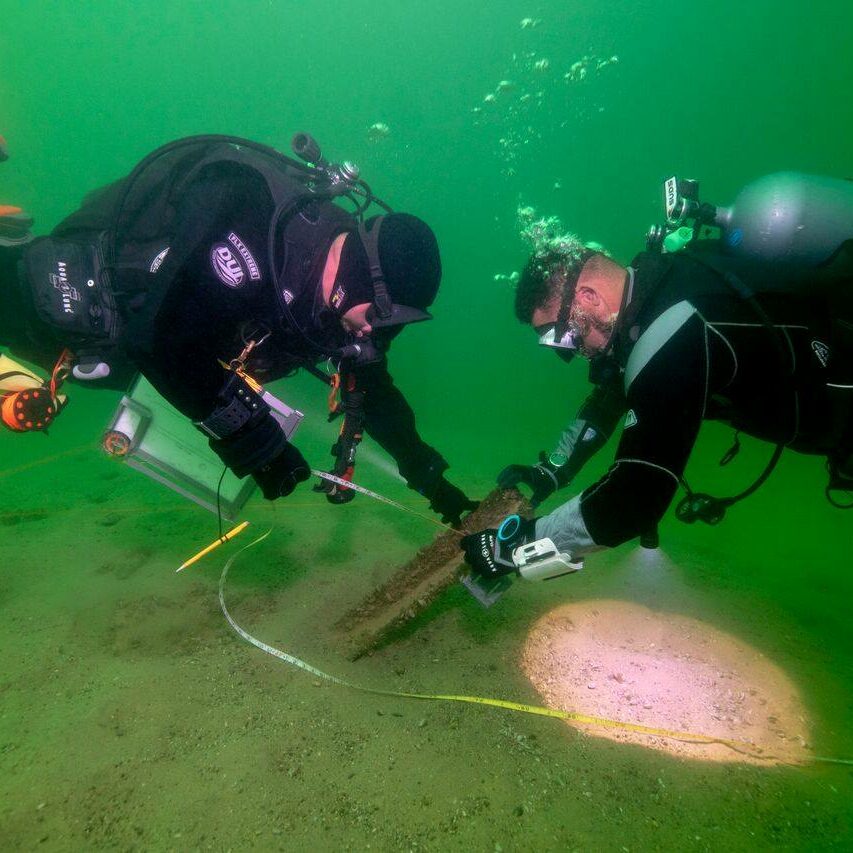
565 343
565 336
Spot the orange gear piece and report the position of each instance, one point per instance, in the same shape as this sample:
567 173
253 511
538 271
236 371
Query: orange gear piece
10 210
334 387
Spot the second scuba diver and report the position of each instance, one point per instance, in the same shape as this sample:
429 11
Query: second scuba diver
754 330
218 263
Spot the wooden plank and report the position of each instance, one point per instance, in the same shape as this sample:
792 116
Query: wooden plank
415 585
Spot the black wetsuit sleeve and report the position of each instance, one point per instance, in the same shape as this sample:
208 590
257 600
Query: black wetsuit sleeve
390 421
666 403
591 429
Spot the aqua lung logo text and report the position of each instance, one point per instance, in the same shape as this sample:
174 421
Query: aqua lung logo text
158 260
821 350
67 292
227 268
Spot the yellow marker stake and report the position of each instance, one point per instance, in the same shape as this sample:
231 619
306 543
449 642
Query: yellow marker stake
214 545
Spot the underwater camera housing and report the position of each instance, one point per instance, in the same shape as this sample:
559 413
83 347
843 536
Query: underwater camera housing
683 207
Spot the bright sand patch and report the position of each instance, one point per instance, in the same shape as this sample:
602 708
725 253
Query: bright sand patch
623 661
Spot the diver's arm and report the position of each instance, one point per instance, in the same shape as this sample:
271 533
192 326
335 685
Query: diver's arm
591 429
586 435
195 330
666 404
390 422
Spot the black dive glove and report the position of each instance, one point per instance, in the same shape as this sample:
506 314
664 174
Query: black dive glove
280 477
450 502
543 479
489 552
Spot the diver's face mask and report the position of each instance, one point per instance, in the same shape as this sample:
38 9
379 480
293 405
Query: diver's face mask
565 341
564 336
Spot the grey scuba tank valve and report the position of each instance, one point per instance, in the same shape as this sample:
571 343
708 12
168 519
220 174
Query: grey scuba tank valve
308 149
349 171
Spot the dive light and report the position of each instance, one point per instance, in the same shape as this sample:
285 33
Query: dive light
534 561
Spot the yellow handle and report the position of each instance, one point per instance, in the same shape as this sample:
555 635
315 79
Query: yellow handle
214 545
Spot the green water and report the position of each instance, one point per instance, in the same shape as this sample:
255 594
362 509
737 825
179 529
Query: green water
131 717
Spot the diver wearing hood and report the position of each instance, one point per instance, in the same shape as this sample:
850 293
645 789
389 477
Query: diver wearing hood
229 263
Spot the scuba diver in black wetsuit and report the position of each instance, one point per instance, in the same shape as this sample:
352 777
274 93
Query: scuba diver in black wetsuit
219 263
754 329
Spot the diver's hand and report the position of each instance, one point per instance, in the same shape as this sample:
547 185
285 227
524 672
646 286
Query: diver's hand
335 493
540 479
479 551
280 477
451 502
491 556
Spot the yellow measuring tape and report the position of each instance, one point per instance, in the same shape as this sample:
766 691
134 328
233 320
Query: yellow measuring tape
741 747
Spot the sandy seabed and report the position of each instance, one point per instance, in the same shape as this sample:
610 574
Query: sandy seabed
623 661
133 718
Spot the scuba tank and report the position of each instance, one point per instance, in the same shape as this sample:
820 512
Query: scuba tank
790 218
790 221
